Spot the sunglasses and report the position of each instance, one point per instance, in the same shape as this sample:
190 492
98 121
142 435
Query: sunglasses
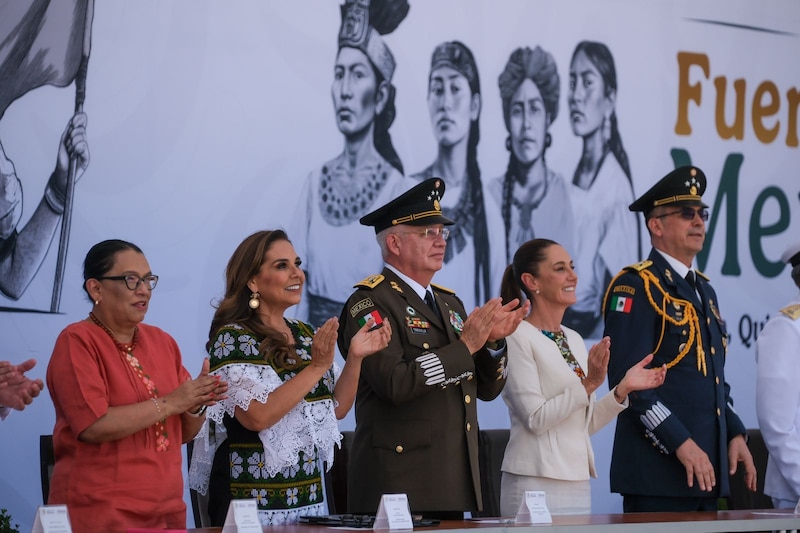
687 213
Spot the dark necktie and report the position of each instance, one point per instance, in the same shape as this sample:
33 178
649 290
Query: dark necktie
691 280
431 302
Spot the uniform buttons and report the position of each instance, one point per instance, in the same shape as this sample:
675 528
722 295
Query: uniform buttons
718 411
469 378
684 333
682 346
398 449
467 398
717 380
469 426
708 321
713 351
426 345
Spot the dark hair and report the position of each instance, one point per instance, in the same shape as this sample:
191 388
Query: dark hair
600 56
460 58
101 258
527 258
796 275
381 138
243 265
536 65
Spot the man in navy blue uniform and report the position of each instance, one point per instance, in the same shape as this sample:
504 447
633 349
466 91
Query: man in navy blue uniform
674 446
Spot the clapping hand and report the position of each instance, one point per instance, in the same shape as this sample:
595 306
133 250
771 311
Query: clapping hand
370 339
16 389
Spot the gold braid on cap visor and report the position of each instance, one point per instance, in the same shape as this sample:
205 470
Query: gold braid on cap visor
415 216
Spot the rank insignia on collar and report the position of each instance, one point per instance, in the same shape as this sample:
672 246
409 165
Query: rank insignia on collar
668 274
396 287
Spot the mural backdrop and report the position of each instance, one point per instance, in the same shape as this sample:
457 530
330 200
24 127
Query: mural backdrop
206 121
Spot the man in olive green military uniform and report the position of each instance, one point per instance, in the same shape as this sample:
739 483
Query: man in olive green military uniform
416 415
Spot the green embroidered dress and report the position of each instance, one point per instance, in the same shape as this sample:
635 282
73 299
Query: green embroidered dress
279 467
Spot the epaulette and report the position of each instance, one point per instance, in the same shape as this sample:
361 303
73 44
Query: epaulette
793 311
702 275
443 289
638 267
370 282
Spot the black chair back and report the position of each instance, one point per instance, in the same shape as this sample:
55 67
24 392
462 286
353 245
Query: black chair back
47 460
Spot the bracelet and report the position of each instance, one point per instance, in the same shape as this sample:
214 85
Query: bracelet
199 412
158 408
55 198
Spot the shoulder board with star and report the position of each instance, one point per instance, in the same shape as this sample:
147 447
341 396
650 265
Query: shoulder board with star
793 311
702 275
638 267
442 289
370 282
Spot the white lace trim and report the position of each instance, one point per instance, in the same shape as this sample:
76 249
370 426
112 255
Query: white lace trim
310 427
290 516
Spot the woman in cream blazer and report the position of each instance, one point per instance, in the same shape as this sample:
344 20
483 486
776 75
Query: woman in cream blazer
550 390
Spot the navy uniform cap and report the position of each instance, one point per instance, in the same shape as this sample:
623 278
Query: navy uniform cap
418 206
683 186
792 254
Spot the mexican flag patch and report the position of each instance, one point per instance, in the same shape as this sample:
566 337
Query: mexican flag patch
621 304
375 315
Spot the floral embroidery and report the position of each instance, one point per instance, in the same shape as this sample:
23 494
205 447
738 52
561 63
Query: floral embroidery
312 492
291 496
257 468
224 345
236 465
309 463
248 345
327 380
561 341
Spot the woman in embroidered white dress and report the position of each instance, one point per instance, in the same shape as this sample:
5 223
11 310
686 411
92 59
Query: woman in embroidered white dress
268 439
601 187
368 173
552 384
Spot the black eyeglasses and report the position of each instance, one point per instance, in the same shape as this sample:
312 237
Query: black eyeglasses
132 281
431 233
687 213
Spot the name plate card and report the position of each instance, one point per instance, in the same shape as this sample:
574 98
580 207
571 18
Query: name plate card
393 513
533 509
52 519
242 517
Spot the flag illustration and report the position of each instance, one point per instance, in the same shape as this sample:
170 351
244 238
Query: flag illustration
41 43
621 304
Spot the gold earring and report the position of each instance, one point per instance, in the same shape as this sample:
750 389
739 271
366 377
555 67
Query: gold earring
254 301
97 302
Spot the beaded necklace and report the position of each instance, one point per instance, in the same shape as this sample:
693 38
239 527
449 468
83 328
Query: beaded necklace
162 442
